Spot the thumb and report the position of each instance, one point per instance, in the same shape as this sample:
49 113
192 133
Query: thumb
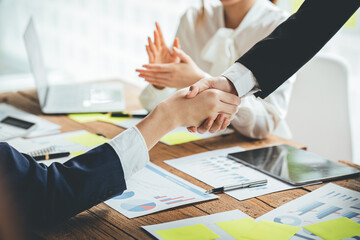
182 55
199 87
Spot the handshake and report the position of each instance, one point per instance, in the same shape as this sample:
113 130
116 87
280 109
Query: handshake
208 105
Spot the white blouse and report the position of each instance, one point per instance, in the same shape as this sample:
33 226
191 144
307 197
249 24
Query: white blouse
215 48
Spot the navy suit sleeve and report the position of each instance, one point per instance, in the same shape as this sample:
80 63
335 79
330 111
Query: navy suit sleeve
293 43
51 194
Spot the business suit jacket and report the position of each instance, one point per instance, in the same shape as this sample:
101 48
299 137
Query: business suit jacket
48 195
293 43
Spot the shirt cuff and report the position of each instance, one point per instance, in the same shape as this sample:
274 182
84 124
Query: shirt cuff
131 148
242 78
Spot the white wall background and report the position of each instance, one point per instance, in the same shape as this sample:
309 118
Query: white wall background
88 39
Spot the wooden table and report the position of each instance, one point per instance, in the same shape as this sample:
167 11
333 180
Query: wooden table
102 222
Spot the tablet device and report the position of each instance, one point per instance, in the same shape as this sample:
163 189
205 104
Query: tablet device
292 165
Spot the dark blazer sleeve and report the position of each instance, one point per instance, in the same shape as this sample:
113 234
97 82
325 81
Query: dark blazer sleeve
294 42
48 195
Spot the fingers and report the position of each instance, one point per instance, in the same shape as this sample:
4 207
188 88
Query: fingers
182 55
151 45
151 75
156 39
150 54
229 98
199 87
225 124
158 67
161 38
217 124
192 129
176 43
205 126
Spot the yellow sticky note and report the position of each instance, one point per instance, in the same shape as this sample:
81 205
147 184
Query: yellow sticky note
193 232
351 23
109 119
335 229
295 5
74 154
179 137
88 139
85 117
271 231
238 228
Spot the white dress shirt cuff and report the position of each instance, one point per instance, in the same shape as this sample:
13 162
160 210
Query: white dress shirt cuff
151 96
131 148
242 78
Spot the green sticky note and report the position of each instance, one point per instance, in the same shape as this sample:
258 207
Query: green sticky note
271 231
88 139
85 117
179 137
74 154
193 232
335 229
238 228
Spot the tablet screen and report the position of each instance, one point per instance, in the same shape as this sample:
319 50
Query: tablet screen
293 165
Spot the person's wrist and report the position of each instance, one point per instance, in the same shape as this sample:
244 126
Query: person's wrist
231 86
162 112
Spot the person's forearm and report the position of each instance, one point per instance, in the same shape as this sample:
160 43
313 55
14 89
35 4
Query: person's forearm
159 122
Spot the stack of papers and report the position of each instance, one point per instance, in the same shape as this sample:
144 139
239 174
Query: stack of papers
43 127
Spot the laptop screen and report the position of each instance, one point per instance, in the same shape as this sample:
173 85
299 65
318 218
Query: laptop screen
36 60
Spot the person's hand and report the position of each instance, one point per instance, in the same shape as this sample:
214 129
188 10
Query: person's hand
174 75
157 51
220 83
179 111
210 104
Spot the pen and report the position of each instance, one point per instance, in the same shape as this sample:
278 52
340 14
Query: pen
51 156
238 186
120 114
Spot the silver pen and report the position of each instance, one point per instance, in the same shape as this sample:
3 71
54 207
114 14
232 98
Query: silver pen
238 186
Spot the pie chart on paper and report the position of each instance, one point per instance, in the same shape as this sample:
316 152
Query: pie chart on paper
125 195
138 205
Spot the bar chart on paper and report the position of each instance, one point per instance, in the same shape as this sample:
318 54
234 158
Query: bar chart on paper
326 203
216 170
153 189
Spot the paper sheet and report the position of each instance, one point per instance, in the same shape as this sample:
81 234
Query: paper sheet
326 203
210 221
153 189
216 170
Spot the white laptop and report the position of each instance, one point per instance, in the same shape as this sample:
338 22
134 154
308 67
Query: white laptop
71 98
